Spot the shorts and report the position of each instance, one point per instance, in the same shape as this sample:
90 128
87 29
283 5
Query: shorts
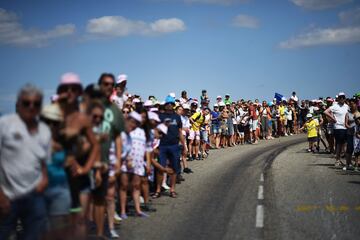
241 128
340 136
350 143
236 129
242 134
77 185
312 139
194 135
170 153
254 125
215 129
224 129
58 200
230 129
101 191
204 136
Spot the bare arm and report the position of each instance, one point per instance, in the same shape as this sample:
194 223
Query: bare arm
347 125
329 114
95 148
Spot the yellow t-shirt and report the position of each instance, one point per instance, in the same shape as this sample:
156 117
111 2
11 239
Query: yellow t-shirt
282 112
198 121
311 127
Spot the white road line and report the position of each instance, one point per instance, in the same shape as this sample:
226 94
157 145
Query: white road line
262 177
261 192
259 216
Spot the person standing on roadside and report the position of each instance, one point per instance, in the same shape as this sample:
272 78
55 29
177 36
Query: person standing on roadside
350 125
337 113
119 97
25 147
169 149
113 125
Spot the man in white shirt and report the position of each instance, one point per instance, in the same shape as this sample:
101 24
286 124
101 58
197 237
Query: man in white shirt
25 146
337 113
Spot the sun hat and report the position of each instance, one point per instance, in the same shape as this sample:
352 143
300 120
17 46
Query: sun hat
136 116
153 116
52 112
121 78
163 128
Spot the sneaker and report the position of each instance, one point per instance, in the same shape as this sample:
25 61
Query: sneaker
286 135
348 167
180 177
142 215
165 186
117 218
123 216
187 170
113 234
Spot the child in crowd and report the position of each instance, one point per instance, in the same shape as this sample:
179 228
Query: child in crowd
311 127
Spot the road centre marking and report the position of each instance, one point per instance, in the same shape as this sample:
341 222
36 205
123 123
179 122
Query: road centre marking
261 192
259 216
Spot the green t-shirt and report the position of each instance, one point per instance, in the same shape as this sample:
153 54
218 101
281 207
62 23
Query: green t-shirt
113 125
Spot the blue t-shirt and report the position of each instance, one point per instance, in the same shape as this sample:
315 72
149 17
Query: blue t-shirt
215 116
173 121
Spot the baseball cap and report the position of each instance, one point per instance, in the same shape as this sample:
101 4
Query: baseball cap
163 128
70 78
169 99
186 106
121 78
148 103
153 116
216 105
218 97
136 100
136 116
172 94
341 94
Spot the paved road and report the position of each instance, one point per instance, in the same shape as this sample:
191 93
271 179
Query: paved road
273 190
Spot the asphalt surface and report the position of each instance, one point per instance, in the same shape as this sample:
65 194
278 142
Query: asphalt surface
301 197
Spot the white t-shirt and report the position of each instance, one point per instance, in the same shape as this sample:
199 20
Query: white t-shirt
21 155
339 114
119 101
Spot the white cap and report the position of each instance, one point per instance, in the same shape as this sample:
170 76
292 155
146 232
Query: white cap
221 104
163 128
172 94
136 100
186 106
309 115
153 116
218 97
154 109
216 105
148 103
136 116
341 94
227 95
121 78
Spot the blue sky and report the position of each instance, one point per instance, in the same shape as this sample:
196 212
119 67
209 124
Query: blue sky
248 48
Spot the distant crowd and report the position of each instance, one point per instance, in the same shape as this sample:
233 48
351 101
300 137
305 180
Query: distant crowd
98 154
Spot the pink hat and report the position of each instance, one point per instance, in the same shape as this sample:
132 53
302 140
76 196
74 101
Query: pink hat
121 78
70 78
148 103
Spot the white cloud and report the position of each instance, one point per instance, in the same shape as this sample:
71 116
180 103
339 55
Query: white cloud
118 26
13 33
324 36
351 17
319 4
245 21
348 31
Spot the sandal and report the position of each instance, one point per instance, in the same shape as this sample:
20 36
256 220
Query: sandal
156 195
173 195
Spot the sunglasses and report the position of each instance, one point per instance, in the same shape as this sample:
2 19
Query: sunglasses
107 84
69 88
125 112
52 123
96 116
33 104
